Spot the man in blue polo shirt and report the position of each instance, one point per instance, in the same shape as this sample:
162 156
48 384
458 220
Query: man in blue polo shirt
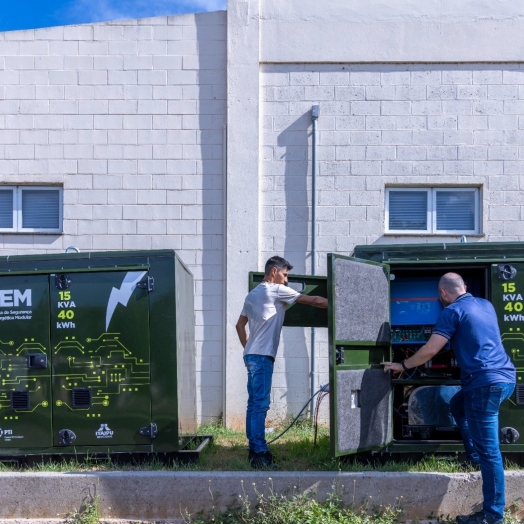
488 378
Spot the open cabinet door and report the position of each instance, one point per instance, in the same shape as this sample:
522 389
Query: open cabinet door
359 339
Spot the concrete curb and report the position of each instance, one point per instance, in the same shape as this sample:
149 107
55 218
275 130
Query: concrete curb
169 496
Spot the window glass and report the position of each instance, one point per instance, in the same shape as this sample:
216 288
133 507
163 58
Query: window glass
40 209
455 210
6 208
408 210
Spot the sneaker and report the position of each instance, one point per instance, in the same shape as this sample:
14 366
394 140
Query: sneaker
263 460
251 455
477 518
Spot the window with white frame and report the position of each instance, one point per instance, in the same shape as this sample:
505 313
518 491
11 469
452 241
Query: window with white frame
31 209
432 210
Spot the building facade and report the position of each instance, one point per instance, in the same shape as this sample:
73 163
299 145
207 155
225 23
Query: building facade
194 133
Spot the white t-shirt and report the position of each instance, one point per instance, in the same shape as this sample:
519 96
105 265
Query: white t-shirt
265 307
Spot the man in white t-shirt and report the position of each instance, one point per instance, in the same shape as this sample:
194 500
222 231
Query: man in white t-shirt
264 310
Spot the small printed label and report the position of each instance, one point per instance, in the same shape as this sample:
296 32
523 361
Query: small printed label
104 432
7 435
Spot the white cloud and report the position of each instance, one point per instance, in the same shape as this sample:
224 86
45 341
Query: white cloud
85 11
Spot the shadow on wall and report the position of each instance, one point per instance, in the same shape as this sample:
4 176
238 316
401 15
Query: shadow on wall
293 149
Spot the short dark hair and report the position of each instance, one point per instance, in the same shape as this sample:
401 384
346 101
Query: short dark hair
451 282
278 262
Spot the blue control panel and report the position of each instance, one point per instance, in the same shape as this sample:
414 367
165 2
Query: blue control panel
414 301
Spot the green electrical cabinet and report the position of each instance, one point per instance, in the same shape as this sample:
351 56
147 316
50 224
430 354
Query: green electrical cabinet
97 353
383 304
419 409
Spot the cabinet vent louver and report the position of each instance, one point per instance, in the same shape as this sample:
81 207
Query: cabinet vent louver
82 397
20 400
519 389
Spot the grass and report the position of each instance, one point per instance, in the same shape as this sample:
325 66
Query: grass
294 451
299 508
89 513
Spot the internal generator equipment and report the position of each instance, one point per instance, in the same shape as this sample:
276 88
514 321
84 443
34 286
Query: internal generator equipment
383 304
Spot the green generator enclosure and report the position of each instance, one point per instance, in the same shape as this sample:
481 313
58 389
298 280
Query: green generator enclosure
97 353
383 304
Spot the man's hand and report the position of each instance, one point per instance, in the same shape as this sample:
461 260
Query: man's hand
396 367
427 351
241 330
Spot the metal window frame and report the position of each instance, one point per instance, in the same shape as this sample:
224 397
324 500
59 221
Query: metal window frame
13 191
432 211
473 231
17 209
428 230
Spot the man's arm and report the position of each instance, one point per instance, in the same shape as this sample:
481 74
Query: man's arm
427 351
312 301
241 330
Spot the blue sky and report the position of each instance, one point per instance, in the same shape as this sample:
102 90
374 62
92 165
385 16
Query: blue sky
29 14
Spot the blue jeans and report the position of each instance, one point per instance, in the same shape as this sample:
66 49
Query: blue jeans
477 415
259 375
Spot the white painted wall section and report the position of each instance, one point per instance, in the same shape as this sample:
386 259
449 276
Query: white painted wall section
243 207
400 31
128 117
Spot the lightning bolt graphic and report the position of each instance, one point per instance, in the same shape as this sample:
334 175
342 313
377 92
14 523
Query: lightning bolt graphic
122 295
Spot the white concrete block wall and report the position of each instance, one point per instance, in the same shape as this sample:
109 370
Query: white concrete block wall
380 124
128 117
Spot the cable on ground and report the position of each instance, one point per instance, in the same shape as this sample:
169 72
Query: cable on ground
323 389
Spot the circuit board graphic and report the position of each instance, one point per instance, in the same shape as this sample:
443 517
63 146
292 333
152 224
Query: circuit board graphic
16 376
513 341
102 363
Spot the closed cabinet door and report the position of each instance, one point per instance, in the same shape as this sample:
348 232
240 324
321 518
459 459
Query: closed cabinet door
25 383
507 296
101 358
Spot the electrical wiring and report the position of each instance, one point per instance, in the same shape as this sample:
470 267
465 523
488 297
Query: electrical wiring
320 398
323 389
399 413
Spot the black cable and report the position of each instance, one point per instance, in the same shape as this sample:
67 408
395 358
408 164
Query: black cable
322 389
320 398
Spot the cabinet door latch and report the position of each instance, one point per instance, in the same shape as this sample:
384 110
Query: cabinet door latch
148 284
149 431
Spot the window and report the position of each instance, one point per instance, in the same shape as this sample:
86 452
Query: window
437 210
31 209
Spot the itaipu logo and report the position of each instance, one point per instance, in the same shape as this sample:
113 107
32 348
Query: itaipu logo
104 432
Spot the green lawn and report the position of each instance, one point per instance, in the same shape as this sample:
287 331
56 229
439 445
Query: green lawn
294 451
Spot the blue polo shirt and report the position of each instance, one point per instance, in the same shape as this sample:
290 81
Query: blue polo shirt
470 324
